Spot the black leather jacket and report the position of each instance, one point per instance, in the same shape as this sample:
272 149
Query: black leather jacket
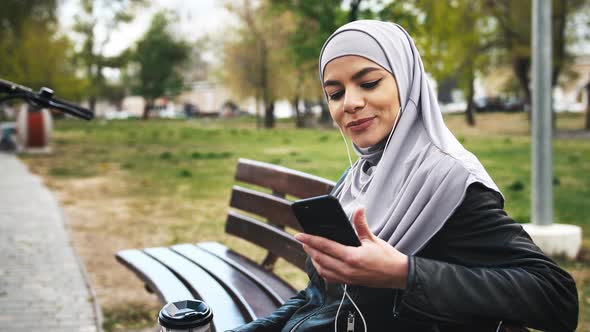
479 269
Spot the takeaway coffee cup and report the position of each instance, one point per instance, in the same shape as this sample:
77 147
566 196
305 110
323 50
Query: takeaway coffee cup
185 316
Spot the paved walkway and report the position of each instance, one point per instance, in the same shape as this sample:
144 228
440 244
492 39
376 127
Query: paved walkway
42 284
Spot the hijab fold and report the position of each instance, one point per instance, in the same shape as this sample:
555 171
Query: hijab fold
412 185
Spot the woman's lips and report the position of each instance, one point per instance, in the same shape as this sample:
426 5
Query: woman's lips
360 124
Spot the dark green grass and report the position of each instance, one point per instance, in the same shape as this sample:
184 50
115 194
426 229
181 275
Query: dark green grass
163 155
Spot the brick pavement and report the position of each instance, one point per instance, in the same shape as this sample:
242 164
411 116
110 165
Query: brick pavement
42 284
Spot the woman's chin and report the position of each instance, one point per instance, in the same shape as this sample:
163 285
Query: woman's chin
364 142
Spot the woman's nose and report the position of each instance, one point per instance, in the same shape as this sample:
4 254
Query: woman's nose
353 101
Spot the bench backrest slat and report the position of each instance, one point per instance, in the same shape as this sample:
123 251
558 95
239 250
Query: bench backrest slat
267 236
281 179
268 208
276 210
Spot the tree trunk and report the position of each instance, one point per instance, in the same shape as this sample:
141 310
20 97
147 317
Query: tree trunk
257 106
469 112
559 42
521 68
354 10
269 115
325 117
588 106
269 107
92 104
146 109
299 116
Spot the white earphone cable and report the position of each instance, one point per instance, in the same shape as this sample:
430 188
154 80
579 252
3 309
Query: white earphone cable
345 294
347 149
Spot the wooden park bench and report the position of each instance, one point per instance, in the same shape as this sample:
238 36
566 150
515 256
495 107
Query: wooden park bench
237 288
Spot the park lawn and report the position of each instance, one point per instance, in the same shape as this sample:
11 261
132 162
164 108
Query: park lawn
128 184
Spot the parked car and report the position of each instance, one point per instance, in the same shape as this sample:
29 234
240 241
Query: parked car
514 105
116 115
497 104
488 104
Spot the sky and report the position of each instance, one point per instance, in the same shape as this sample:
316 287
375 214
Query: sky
197 18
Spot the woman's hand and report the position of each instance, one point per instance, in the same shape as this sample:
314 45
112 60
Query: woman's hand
374 264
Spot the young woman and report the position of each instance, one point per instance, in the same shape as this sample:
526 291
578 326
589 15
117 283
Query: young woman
438 252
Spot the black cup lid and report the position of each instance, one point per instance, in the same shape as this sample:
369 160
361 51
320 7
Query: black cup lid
185 314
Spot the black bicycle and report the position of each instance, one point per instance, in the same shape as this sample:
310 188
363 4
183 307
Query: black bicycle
37 100
42 99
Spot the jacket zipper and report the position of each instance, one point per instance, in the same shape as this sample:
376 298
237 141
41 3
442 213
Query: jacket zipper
308 316
349 322
305 318
395 312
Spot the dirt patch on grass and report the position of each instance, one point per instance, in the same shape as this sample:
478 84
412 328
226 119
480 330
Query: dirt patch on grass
105 217
100 220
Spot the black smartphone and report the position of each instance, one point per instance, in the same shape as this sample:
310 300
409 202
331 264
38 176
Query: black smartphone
324 216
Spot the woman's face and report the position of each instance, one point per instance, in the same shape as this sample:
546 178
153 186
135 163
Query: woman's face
362 97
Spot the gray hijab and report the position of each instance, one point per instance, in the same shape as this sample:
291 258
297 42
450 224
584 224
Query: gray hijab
412 184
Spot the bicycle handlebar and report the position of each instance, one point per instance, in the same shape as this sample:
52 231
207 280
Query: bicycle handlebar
44 98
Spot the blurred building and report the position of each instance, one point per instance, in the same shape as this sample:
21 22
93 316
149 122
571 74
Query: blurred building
207 97
569 95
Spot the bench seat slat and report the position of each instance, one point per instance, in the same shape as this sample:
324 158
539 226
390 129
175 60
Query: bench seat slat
275 209
246 291
273 239
159 279
226 313
282 179
265 278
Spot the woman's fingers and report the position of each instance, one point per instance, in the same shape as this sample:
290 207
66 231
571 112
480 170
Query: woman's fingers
360 224
324 262
326 273
324 245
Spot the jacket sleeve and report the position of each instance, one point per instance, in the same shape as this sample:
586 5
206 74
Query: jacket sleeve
490 271
276 320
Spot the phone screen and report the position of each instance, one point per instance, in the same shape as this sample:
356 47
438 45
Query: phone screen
324 216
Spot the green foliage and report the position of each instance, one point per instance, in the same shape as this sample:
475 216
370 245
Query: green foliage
273 54
106 14
166 155
313 22
517 185
512 22
32 52
15 12
185 173
158 56
255 54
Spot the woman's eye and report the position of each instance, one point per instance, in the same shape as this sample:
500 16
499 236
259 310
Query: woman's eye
370 85
336 95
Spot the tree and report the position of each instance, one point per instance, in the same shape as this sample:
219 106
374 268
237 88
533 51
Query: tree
32 53
454 39
106 14
158 56
467 55
513 21
588 106
256 56
314 22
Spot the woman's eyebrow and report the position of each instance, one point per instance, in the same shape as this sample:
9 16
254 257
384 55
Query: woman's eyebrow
363 72
354 77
